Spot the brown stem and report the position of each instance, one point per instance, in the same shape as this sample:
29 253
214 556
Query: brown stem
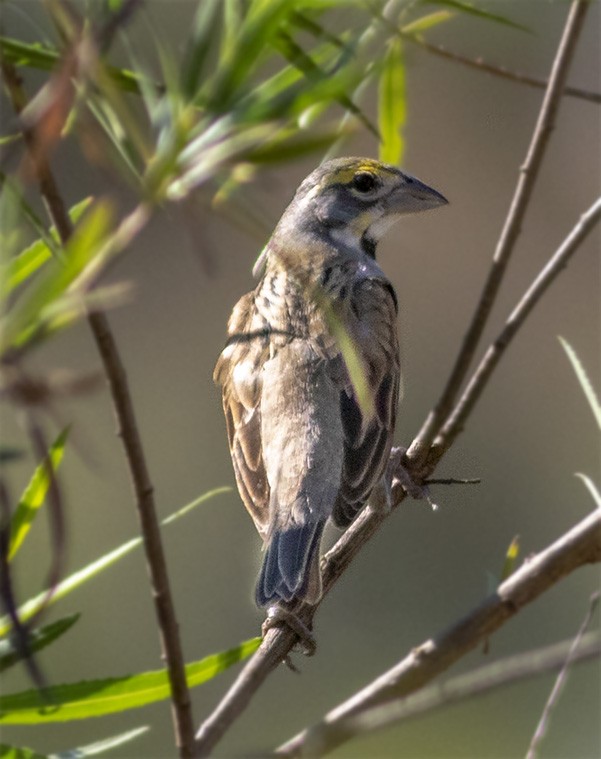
528 175
128 432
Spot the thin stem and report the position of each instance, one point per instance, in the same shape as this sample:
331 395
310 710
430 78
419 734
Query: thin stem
497 348
128 432
529 171
499 71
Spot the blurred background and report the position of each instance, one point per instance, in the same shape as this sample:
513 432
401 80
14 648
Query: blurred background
466 135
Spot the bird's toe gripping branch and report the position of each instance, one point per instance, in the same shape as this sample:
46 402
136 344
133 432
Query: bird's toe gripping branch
278 615
399 473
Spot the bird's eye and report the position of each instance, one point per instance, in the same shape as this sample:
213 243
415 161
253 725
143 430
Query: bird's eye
364 181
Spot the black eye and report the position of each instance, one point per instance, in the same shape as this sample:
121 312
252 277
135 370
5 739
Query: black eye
363 181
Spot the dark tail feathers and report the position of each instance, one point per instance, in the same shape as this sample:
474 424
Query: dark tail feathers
291 566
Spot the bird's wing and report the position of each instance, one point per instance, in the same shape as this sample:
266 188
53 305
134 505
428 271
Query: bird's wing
372 316
238 371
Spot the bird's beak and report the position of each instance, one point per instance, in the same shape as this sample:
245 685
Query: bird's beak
412 196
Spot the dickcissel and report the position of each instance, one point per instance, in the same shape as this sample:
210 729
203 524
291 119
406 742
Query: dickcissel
304 447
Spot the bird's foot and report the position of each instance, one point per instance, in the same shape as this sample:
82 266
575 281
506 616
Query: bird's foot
416 489
278 615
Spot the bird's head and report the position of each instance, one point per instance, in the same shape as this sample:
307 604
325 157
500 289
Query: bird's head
354 201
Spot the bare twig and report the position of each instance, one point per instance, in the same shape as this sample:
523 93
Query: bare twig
581 545
278 641
491 358
128 432
529 171
500 71
569 659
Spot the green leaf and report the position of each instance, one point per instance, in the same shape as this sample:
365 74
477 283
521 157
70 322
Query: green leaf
511 557
78 578
35 494
426 22
583 379
392 110
19 752
99 747
479 12
21 267
95 698
37 639
32 313
198 46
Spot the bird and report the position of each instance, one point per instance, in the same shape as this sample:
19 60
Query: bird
310 371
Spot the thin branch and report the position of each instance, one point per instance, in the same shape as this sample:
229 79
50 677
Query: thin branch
581 545
128 432
570 658
500 71
497 348
420 447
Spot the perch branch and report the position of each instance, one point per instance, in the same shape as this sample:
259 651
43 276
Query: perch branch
128 431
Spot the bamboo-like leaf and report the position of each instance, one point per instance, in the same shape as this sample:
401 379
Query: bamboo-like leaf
591 487
35 494
198 46
19 752
583 379
422 24
480 13
511 558
392 109
81 576
24 265
99 747
37 639
95 698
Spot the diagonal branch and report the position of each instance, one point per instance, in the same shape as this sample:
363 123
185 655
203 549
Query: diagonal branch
386 701
529 171
495 351
127 430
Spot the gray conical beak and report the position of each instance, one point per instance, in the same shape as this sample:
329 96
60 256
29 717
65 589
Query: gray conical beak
412 196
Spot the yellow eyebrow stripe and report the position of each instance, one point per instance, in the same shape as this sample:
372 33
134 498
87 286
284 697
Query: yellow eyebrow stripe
346 174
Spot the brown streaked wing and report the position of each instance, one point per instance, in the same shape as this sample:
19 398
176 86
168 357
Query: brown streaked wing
367 444
247 349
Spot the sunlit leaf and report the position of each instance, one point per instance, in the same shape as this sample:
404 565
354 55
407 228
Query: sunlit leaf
36 639
392 108
583 379
21 267
511 557
35 494
426 22
95 698
19 752
99 747
78 578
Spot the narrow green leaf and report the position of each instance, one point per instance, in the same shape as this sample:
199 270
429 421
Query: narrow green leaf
591 487
21 267
427 22
583 379
19 752
198 46
511 557
35 494
78 578
392 110
479 12
38 639
99 747
95 698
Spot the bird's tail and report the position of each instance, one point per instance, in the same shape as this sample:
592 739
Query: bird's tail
290 568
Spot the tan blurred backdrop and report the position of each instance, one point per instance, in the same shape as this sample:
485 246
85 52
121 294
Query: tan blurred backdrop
467 135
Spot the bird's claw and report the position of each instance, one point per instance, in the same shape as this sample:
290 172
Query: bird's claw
278 616
419 491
